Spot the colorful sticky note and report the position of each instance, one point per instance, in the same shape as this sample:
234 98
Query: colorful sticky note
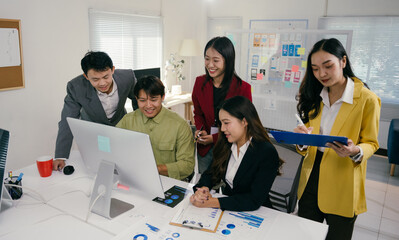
231 37
294 68
259 76
103 144
287 84
301 51
264 60
304 64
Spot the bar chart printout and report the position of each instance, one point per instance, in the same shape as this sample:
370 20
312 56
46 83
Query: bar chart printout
245 225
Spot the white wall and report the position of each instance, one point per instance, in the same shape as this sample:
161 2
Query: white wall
55 38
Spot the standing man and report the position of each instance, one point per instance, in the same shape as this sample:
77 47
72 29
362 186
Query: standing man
98 95
171 136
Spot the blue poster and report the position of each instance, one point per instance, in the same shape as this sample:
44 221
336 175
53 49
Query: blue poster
291 50
285 50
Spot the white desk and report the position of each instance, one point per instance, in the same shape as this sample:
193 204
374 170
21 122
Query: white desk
67 201
184 98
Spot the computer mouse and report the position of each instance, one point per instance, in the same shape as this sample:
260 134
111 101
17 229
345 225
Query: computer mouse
68 170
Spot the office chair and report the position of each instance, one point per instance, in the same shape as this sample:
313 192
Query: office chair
283 194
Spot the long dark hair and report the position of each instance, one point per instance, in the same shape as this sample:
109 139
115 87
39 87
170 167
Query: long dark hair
225 47
239 107
309 91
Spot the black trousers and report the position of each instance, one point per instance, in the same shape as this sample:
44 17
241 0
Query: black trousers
338 227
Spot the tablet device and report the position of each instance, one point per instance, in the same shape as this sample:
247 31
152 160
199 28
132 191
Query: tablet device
307 139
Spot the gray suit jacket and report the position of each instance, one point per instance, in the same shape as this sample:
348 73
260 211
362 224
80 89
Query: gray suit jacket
82 102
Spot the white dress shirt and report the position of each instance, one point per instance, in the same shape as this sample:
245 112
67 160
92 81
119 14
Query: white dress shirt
109 101
235 161
330 112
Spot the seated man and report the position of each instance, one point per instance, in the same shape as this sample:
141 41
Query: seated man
170 135
98 95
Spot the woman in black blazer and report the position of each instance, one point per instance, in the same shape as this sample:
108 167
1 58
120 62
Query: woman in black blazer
245 161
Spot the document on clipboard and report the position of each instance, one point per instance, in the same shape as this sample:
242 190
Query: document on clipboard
307 139
203 219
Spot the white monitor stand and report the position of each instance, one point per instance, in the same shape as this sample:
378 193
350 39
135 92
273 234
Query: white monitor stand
105 205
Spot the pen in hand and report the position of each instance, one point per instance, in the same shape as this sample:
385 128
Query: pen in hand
300 123
199 133
299 120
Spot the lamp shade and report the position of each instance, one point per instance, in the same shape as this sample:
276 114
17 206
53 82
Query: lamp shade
189 48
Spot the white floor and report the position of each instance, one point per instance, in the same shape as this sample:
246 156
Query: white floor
381 221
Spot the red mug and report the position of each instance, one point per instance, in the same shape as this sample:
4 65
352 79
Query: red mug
45 165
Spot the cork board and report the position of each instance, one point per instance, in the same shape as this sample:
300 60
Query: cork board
11 61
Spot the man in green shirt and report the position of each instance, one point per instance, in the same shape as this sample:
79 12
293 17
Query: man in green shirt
171 137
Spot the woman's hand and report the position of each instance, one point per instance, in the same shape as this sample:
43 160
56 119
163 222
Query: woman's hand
202 194
303 129
344 151
203 198
205 139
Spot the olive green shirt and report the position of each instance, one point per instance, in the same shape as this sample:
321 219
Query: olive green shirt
171 139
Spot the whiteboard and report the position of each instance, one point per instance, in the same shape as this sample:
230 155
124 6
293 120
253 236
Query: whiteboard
274 64
9 47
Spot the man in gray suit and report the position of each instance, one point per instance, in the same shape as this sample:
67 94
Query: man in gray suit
98 95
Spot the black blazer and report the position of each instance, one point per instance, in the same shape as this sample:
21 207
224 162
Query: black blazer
253 179
82 102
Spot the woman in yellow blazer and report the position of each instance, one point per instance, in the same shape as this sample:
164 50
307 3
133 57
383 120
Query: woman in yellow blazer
332 101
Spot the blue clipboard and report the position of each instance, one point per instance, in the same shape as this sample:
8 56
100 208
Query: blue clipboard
307 139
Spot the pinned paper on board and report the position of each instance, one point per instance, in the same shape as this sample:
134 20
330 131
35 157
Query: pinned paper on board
9 47
297 77
255 60
259 76
287 75
304 64
294 68
256 42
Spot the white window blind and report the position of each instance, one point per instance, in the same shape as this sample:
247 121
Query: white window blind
375 51
132 41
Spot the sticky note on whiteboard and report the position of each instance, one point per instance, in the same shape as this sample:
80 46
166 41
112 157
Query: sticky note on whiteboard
301 51
103 144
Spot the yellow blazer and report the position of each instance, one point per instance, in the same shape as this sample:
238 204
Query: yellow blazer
341 181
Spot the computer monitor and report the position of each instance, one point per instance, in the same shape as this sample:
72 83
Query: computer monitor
4 139
115 153
139 73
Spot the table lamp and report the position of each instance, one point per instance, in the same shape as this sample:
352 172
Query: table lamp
189 48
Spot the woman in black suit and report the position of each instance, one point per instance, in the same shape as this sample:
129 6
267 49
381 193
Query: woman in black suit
245 161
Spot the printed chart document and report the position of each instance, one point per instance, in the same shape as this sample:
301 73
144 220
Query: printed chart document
244 225
204 219
150 228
